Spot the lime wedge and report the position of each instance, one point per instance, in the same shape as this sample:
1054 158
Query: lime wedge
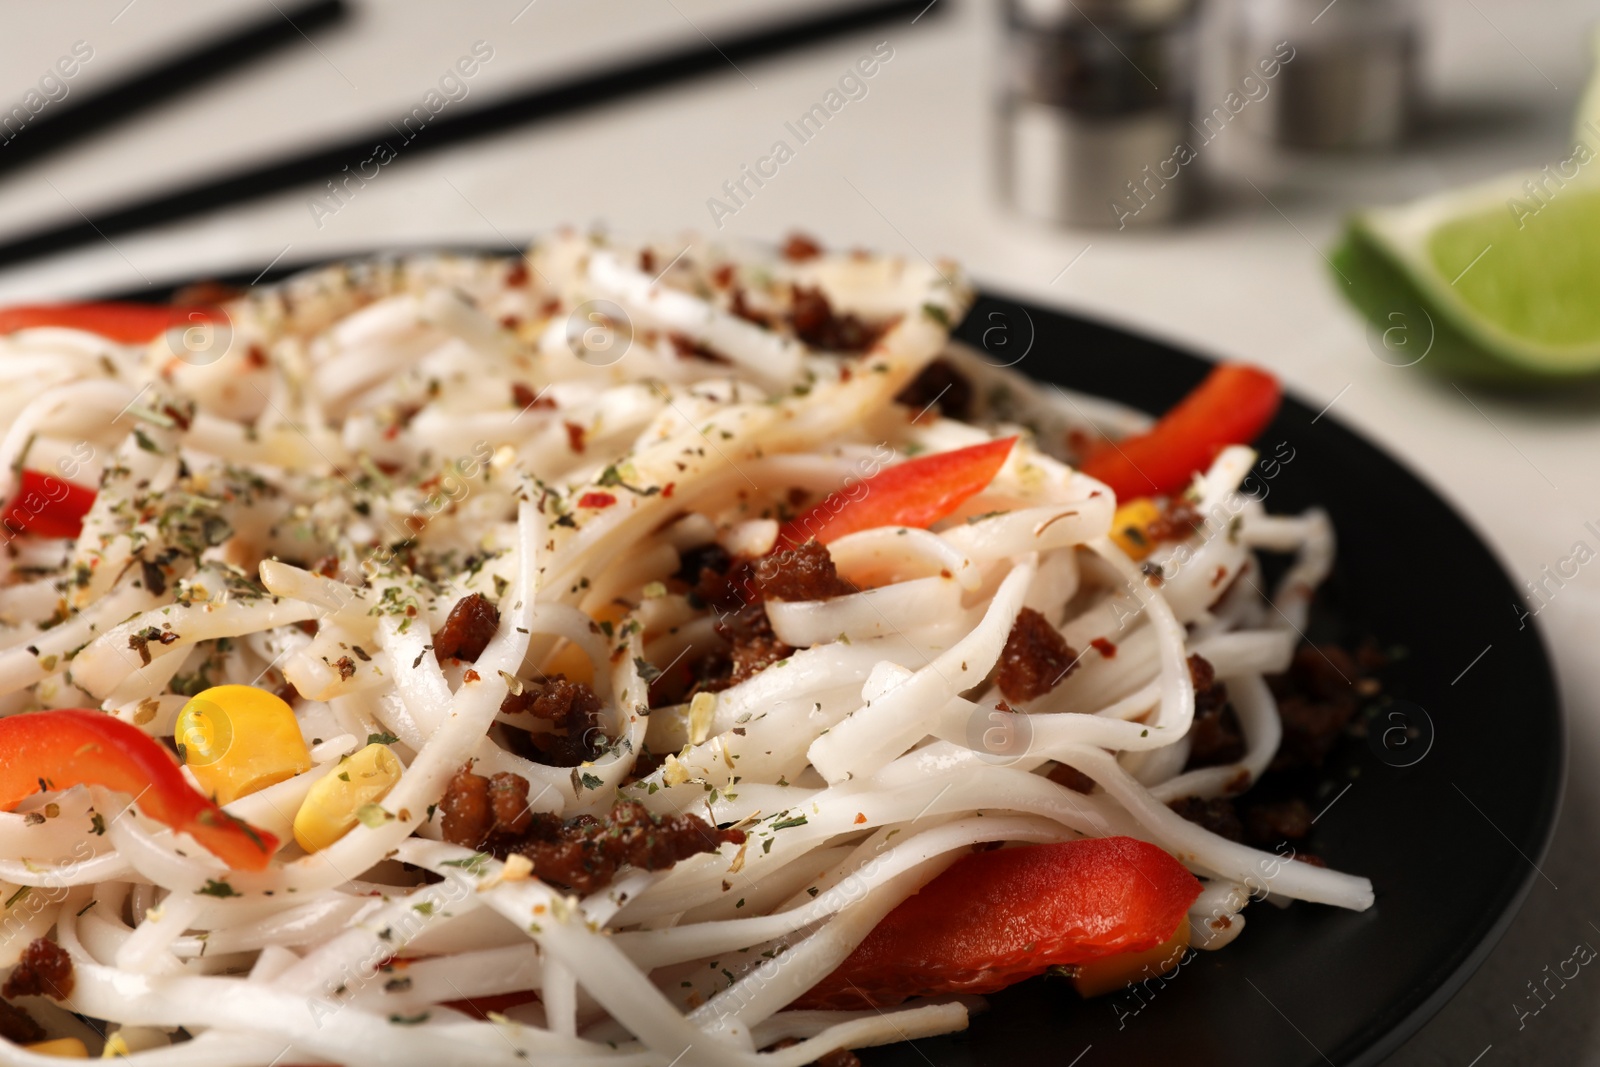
1498 281
1586 130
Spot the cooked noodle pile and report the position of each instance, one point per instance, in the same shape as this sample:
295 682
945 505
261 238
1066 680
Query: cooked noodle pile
559 434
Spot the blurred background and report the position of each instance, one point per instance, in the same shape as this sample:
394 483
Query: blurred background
1017 139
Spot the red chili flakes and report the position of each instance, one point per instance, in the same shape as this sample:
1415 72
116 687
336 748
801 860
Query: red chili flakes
861 817
510 322
1216 579
647 261
575 436
722 275
799 248
517 274
596 500
666 490
1104 647
255 357
471 676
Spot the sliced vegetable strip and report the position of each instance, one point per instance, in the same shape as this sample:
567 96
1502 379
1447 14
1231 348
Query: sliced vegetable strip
50 750
1231 407
48 506
995 918
918 492
123 322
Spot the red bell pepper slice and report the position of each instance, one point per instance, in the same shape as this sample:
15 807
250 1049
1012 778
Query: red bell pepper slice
995 918
918 492
49 750
1231 407
48 506
123 322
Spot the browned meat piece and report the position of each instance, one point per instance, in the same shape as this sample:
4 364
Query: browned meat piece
468 629
207 291
687 346
940 385
508 799
818 325
802 573
1072 778
1217 815
801 247
44 970
476 810
839 1057
706 571
584 854
573 704
573 707
1269 823
1215 738
1177 521
1035 659
754 647
740 308
466 815
17 1026
1316 700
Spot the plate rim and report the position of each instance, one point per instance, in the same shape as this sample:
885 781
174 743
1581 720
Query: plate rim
1467 962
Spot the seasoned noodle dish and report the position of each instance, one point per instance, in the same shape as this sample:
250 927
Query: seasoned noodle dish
618 655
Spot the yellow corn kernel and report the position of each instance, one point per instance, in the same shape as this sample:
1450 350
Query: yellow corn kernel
67 1048
334 803
1111 973
1129 526
130 1039
238 740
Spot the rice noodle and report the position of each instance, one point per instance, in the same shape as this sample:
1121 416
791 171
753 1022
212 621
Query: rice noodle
385 438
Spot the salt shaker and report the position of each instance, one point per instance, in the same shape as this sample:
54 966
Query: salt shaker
1351 79
1095 97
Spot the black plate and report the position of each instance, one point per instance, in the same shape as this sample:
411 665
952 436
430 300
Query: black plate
1447 822
1448 841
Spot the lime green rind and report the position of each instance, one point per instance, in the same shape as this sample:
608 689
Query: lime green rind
1588 120
1528 292
1372 282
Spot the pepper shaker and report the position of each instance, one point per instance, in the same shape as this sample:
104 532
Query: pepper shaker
1351 81
1095 96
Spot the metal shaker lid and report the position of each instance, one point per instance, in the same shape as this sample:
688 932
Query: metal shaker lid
1048 15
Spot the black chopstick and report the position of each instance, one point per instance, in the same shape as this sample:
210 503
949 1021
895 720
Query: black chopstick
522 108
74 117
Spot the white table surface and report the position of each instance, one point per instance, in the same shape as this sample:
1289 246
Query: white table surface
908 168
